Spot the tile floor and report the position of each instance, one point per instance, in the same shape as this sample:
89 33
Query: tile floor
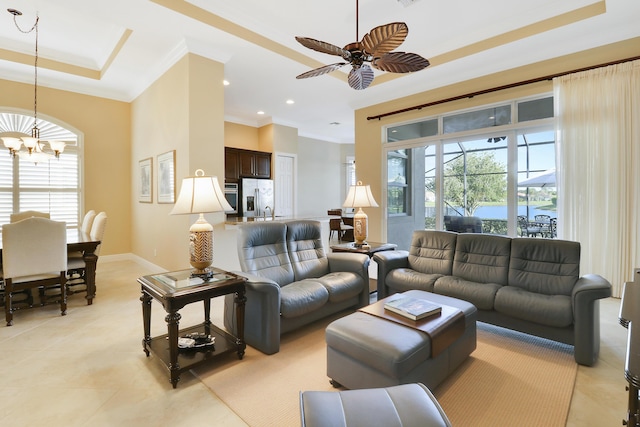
88 368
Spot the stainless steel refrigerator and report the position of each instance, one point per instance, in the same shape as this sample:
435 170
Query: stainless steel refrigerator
257 197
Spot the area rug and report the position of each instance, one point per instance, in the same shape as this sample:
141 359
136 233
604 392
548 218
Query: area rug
510 379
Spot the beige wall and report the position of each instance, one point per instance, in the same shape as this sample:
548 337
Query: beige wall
319 177
241 136
368 131
182 111
106 125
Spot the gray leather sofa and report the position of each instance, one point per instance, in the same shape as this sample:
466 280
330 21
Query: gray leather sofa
292 281
525 284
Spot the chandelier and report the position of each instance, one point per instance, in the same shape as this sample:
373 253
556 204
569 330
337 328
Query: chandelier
34 146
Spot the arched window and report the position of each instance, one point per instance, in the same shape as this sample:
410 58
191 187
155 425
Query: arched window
52 186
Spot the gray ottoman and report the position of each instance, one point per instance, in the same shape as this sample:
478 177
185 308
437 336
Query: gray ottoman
365 351
408 405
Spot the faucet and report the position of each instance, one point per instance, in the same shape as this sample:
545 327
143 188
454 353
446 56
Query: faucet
264 212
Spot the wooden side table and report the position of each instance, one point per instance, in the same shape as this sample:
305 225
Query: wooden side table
176 289
372 249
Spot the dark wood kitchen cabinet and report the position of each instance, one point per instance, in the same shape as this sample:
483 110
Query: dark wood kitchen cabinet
240 164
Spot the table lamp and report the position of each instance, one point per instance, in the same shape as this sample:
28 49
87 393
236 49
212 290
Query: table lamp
359 196
200 194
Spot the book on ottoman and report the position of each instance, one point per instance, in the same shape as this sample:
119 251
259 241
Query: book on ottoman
412 308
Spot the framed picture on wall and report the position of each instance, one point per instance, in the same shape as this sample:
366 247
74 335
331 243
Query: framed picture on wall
167 177
145 190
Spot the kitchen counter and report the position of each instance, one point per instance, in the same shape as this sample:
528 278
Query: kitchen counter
236 220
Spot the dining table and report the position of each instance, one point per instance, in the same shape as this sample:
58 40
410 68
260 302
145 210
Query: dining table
79 241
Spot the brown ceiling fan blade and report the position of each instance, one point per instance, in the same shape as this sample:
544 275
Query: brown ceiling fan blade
320 71
400 62
385 38
360 78
323 47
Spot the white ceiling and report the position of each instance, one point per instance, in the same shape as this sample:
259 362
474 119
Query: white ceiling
86 34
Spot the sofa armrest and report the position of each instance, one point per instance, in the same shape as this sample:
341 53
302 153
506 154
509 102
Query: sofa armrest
586 316
590 287
261 315
387 261
356 263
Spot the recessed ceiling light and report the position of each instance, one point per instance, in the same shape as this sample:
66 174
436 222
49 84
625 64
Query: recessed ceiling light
260 112
225 82
290 101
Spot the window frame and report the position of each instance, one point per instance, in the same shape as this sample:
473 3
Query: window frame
511 130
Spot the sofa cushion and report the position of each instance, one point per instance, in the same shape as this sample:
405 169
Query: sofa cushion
262 250
482 258
307 256
481 295
406 279
544 266
302 297
342 285
550 310
431 252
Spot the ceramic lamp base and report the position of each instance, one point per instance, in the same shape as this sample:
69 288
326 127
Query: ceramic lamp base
201 245
360 227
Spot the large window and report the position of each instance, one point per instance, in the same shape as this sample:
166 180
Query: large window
52 186
398 182
470 164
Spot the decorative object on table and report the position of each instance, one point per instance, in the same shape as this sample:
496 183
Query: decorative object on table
201 194
375 47
145 190
412 308
167 177
34 145
630 319
196 341
360 196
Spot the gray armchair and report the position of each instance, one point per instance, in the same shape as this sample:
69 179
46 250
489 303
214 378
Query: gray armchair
292 281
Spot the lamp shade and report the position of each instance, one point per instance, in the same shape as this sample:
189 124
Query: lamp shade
200 194
359 196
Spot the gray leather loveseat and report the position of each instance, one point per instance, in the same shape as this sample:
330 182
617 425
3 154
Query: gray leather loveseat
525 284
292 281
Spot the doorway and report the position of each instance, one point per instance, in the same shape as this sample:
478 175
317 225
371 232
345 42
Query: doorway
285 173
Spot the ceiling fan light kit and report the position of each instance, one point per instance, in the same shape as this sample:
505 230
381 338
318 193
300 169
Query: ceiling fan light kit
375 48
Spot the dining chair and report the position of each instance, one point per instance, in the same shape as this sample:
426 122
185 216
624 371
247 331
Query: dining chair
526 229
553 225
34 255
76 266
85 227
28 214
337 225
544 222
87 221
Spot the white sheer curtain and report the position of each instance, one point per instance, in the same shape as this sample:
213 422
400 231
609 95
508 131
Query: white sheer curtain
598 158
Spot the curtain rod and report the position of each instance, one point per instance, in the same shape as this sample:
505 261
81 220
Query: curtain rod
498 88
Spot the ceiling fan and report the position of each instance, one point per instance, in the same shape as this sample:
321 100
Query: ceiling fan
376 48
